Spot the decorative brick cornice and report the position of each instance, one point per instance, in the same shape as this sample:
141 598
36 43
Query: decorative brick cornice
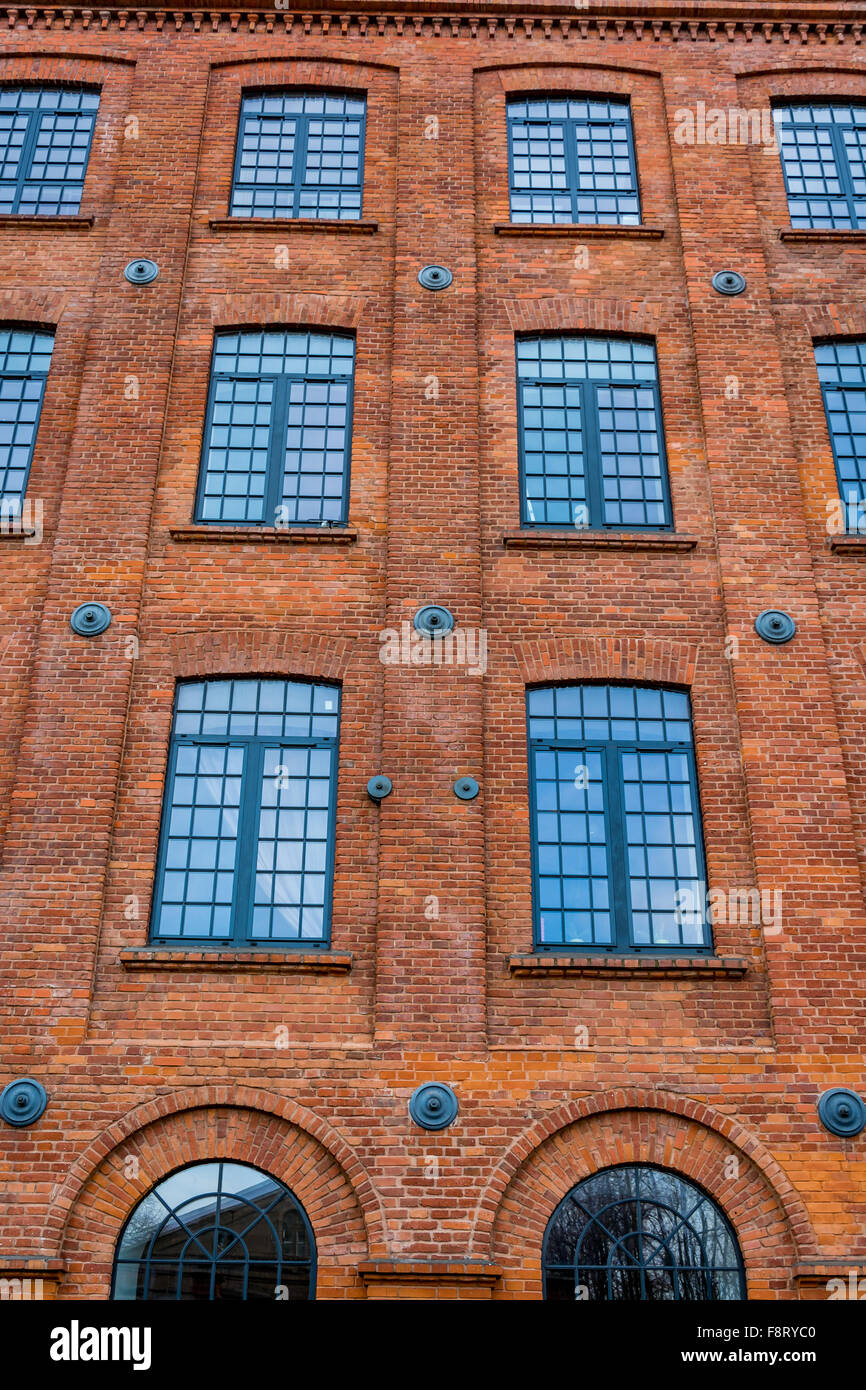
572 314
606 658
328 310
770 24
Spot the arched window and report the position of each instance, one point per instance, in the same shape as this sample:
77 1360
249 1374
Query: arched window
636 1233
216 1231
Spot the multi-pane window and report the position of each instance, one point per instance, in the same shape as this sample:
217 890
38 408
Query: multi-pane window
572 160
222 1230
633 1234
842 374
590 428
300 154
24 361
823 152
45 136
246 853
276 447
616 836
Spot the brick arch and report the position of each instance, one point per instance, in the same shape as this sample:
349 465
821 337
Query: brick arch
36 308
835 320
663 662
338 311
644 1126
243 1124
246 651
39 66
294 71
576 76
565 313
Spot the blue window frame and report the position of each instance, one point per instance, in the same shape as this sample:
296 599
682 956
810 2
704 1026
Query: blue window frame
823 151
25 358
590 434
300 154
635 1233
45 138
278 429
572 160
617 855
842 374
247 843
221 1230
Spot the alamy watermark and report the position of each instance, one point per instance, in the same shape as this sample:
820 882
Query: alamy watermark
732 125
737 906
22 518
464 646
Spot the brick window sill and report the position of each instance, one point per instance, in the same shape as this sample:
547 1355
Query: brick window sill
578 229
540 539
667 967
267 535
235 962
429 1271
848 545
291 224
68 222
854 235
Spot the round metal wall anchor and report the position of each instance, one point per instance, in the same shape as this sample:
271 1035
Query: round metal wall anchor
842 1112
775 626
435 277
22 1101
141 271
378 788
433 620
433 1106
89 619
466 788
729 282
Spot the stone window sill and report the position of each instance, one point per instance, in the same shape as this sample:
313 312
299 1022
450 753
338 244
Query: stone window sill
248 962
60 223
668 967
542 539
267 535
291 224
578 229
818 234
848 545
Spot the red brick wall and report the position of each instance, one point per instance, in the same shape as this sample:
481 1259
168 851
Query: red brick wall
308 1073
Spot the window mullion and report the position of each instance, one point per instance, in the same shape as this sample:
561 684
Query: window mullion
277 450
615 821
26 158
299 168
248 826
843 165
570 146
592 452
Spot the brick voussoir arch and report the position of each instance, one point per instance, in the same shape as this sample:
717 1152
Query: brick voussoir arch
563 313
835 320
641 1102
37 308
337 311
245 651
602 658
237 1100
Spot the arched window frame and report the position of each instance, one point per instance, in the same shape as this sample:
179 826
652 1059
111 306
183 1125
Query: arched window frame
201 1163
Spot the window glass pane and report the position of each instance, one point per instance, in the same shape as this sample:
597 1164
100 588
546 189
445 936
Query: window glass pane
45 138
276 447
822 149
247 826
617 852
24 361
299 155
591 443
635 1233
216 1231
571 160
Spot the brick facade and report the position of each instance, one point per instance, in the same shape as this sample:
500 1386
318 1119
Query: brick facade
303 1064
